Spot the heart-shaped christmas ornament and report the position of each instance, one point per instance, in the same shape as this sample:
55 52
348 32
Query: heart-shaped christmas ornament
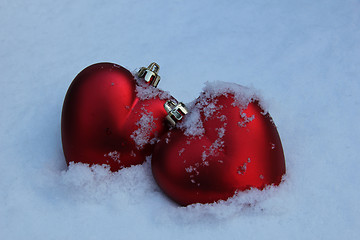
226 144
111 118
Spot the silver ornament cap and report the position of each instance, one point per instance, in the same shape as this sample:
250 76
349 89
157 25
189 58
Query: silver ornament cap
176 111
150 74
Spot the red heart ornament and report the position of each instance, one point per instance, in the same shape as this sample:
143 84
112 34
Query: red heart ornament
225 145
109 118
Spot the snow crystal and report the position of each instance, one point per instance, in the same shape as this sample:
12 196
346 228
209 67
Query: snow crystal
115 156
216 147
273 145
193 172
242 169
221 131
167 138
222 118
181 151
245 120
191 169
132 153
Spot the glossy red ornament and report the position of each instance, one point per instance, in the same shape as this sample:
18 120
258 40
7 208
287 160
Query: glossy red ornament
239 148
105 122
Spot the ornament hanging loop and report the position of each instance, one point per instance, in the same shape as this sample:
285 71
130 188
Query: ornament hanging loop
176 111
150 74
154 67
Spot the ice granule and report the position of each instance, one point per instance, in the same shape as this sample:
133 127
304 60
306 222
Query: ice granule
189 169
222 118
181 151
115 156
213 150
221 132
246 120
242 169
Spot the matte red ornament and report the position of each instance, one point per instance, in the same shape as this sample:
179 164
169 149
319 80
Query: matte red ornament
238 148
105 122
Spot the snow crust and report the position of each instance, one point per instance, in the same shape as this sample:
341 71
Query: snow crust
302 56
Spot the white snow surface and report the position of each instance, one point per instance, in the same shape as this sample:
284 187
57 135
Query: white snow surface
302 56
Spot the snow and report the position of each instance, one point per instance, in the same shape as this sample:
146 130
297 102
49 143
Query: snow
302 57
115 156
144 92
242 95
146 124
192 123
